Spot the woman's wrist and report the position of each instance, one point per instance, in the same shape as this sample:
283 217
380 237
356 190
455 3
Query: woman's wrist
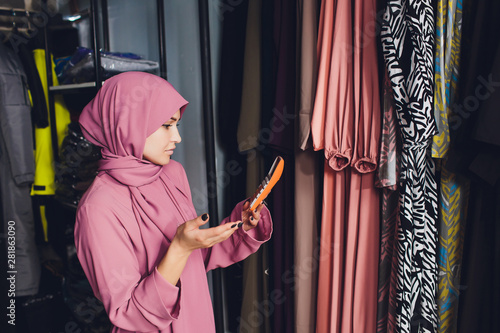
173 263
177 250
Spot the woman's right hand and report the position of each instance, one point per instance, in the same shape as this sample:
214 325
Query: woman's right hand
190 237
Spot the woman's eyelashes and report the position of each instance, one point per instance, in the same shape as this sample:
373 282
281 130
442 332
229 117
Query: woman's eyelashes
167 126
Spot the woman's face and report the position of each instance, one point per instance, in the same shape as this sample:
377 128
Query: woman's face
161 144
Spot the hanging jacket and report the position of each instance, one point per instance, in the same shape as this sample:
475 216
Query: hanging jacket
17 171
46 172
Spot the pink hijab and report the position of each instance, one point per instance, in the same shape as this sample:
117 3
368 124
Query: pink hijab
126 110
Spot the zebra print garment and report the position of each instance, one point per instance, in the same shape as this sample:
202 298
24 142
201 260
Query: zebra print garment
407 40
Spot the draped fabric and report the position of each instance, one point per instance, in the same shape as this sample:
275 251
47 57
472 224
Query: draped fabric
476 155
387 179
407 40
447 56
453 194
307 173
346 124
281 143
255 282
229 102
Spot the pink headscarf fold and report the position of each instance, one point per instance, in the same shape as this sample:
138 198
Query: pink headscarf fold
127 109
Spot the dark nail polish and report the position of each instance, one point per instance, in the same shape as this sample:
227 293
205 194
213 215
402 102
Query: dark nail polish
251 218
204 217
240 224
234 225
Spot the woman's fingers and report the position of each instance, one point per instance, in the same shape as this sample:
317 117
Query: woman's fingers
224 233
218 234
256 214
246 205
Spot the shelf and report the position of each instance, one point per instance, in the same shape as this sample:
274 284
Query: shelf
73 88
6 11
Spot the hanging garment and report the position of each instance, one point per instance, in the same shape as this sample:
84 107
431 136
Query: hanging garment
17 172
479 299
39 112
408 42
278 130
447 56
307 173
387 179
229 102
346 123
454 196
453 188
307 38
45 172
478 146
334 199
306 255
255 281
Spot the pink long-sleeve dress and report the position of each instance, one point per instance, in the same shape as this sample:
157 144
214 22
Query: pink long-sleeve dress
346 124
119 255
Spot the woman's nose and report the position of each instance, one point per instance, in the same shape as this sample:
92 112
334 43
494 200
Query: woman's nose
177 136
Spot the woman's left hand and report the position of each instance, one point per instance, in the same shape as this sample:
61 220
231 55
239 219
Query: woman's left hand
250 218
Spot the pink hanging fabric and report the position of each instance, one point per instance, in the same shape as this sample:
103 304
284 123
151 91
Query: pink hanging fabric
346 124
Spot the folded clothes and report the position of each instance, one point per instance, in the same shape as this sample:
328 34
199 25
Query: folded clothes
79 68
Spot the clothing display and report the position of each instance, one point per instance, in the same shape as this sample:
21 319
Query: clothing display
385 218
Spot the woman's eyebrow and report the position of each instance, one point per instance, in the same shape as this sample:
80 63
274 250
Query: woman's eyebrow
171 120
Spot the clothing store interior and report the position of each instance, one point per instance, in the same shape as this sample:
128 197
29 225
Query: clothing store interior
383 223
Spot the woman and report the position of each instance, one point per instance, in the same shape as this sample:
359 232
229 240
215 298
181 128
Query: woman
137 234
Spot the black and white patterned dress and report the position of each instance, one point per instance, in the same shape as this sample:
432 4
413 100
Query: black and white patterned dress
407 39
